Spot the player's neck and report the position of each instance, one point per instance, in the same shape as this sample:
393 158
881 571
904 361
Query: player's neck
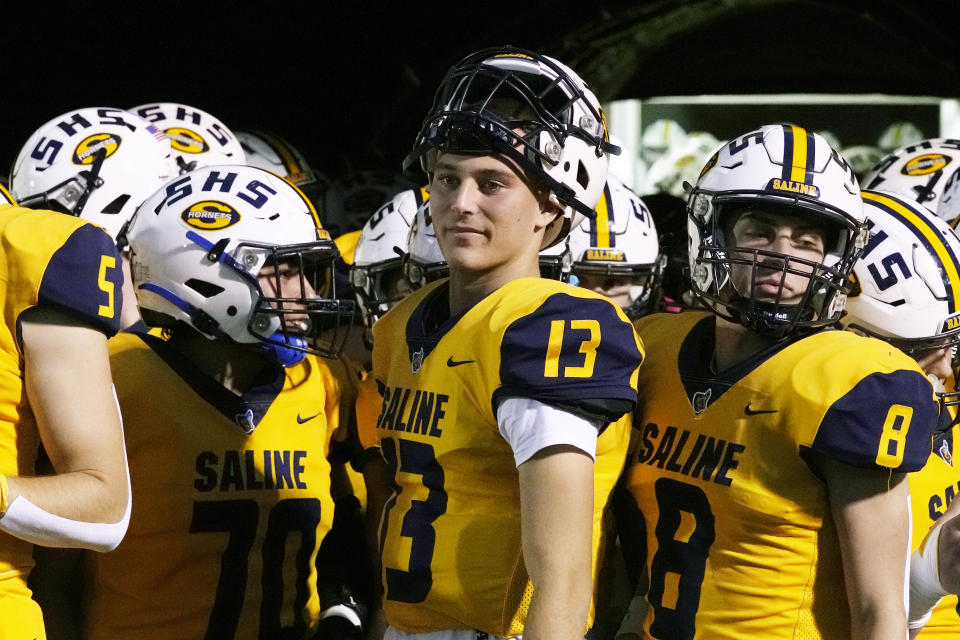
467 288
735 343
233 365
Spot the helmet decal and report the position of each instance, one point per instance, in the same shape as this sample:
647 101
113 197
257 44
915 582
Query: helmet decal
210 215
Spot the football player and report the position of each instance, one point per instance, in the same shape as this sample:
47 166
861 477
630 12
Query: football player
61 294
98 164
495 382
617 252
771 460
906 291
230 417
197 139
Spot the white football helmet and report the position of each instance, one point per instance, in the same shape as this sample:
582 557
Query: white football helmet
659 137
378 260
680 164
906 284
862 158
926 172
269 151
899 134
199 243
424 261
97 163
555 131
349 201
620 245
785 169
196 137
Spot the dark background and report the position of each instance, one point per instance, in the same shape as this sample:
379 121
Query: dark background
348 83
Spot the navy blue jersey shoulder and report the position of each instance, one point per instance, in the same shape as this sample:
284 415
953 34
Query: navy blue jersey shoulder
573 353
85 276
890 416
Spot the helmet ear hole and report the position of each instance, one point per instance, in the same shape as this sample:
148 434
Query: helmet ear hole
116 206
583 178
204 288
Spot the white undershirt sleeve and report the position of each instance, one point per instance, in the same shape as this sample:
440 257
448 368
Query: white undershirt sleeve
27 521
529 425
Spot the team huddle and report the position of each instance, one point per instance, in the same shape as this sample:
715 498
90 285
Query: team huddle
240 400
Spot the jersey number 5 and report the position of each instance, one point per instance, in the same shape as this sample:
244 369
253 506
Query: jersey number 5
588 347
107 286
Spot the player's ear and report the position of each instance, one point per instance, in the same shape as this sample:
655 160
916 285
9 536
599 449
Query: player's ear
549 210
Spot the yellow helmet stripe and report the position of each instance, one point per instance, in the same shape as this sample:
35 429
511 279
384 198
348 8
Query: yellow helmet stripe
798 154
930 238
600 226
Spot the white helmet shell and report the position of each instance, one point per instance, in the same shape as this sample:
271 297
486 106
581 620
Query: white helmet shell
659 137
378 259
424 262
620 242
197 138
926 172
899 134
907 281
98 162
198 245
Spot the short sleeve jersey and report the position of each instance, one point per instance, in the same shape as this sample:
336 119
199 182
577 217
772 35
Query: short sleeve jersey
225 525
740 542
55 260
451 533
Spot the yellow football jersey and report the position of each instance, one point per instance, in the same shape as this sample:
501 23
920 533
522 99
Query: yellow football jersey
932 489
450 535
225 526
48 259
739 537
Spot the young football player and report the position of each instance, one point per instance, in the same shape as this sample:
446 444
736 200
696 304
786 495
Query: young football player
495 382
906 291
771 453
61 296
99 164
230 418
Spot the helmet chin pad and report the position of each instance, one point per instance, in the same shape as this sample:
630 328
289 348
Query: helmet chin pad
286 356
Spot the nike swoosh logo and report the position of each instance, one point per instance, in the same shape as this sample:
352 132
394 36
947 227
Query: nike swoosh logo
456 363
753 412
307 419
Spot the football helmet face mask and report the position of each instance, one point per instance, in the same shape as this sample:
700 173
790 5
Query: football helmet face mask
620 247
531 109
377 271
269 151
906 284
927 172
95 163
236 252
780 170
197 139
